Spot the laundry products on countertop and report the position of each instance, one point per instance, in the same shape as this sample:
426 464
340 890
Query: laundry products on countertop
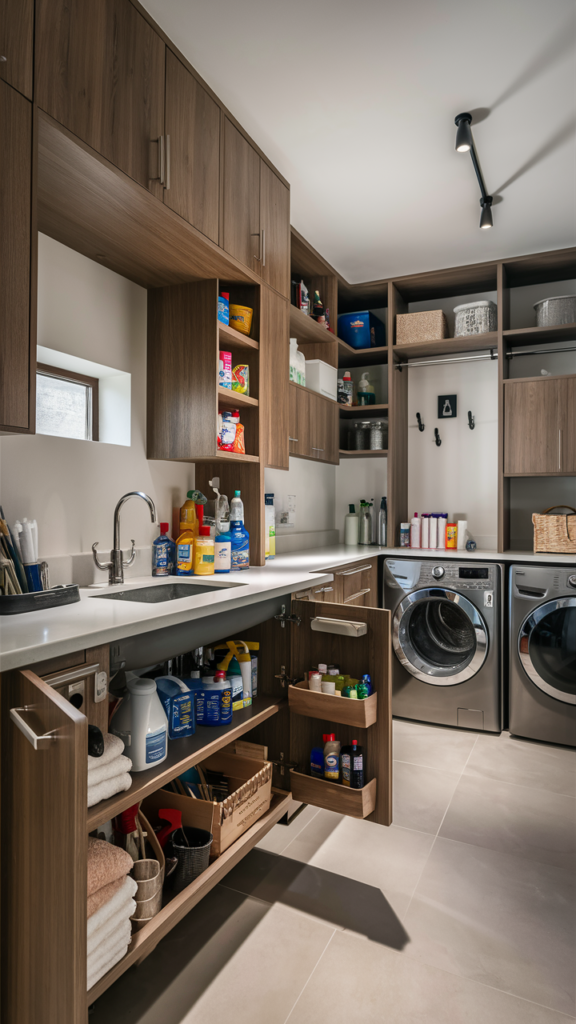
269 526
163 553
431 533
142 724
239 535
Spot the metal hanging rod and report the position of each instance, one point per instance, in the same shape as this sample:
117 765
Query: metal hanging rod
452 359
537 351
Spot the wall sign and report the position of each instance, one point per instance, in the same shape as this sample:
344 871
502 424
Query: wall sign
446 406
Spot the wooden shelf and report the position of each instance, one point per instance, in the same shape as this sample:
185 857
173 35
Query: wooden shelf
182 754
332 796
353 357
533 335
219 457
358 713
145 940
307 330
447 346
229 399
310 391
362 411
365 454
530 380
229 335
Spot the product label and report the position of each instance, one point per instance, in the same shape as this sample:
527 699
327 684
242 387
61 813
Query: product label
240 559
345 769
161 559
236 684
357 764
331 767
156 746
183 556
222 557
207 558
200 707
213 707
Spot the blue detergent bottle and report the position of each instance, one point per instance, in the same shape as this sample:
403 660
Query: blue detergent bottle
239 535
163 553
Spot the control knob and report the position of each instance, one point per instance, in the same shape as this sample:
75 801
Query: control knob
438 572
572 581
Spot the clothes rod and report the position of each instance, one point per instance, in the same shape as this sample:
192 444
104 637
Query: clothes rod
541 350
452 359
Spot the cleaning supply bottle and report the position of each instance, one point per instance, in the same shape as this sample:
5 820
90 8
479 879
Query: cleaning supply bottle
351 526
185 552
347 388
188 519
142 724
317 762
346 764
163 553
223 549
365 526
239 535
331 758
382 523
204 553
269 526
366 393
415 531
357 766
224 308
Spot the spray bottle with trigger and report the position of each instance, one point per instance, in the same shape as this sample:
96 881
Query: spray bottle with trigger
223 540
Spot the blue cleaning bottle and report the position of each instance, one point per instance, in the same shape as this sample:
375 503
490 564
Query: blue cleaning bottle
239 535
163 553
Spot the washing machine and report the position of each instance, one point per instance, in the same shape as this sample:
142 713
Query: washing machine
446 636
542 658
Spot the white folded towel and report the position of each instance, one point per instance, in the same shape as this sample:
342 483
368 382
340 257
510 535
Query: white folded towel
112 925
123 896
104 790
117 766
94 974
113 747
108 946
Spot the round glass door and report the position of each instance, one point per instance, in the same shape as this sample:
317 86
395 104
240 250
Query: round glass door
439 636
547 648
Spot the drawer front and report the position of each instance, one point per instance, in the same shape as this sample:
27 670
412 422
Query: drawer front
359 584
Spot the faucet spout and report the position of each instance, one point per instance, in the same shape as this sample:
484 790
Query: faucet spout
117 564
123 499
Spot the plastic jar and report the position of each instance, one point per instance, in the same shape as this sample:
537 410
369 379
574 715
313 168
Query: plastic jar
214 701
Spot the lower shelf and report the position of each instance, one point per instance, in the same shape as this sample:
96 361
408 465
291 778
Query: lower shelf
365 454
332 796
146 940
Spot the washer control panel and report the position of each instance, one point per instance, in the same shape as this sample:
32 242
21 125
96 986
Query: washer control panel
408 575
438 572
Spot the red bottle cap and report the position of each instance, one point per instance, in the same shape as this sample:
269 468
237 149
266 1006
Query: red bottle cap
204 531
224 295
219 675
164 527
330 736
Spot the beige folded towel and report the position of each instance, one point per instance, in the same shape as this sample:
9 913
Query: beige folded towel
113 747
125 894
101 896
94 974
117 766
110 927
104 790
106 863
109 945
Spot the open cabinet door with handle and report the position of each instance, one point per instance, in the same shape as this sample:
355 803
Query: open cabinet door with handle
43 849
358 640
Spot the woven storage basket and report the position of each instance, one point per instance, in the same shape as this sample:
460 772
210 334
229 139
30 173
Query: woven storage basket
555 533
431 325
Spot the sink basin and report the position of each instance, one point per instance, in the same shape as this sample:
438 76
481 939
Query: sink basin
166 592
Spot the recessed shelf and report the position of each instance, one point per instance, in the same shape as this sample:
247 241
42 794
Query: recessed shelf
231 399
447 346
332 796
533 335
357 713
234 337
307 330
366 453
361 411
353 357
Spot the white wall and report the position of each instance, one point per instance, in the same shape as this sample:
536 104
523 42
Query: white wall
356 479
69 486
462 474
314 486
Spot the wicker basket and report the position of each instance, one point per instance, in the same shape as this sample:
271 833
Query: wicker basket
414 327
555 533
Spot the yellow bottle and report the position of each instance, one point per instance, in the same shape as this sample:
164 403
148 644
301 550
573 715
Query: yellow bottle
185 553
188 517
204 553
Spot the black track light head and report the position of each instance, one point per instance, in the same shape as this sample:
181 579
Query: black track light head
486 215
463 134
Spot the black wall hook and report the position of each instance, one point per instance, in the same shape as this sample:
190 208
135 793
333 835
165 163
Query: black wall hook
420 424
471 422
437 440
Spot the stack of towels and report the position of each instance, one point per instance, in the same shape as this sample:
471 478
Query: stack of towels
110 773
111 904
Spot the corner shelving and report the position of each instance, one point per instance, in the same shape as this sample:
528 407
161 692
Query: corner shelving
535 335
366 453
349 357
349 412
229 399
306 329
229 335
447 346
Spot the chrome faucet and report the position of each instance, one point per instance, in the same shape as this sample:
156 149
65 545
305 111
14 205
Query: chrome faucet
117 565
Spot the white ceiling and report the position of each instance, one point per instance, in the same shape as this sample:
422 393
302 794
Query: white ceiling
354 102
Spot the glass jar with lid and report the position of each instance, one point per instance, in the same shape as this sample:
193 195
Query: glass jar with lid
377 435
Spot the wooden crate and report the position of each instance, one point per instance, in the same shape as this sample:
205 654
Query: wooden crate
332 796
250 797
412 328
357 713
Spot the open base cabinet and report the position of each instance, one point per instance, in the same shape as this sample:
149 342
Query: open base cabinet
44 739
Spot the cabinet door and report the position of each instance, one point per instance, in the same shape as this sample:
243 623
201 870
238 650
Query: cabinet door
17 43
44 745
531 443
241 217
274 383
355 654
358 584
16 368
299 420
100 73
275 230
324 444
567 425
193 127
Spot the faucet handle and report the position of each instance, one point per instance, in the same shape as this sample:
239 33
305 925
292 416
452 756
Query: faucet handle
132 554
101 565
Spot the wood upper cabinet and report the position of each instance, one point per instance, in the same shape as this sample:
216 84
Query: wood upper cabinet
193 128
275 230
298 421
241 214
540 426
17 266
17 44
324 425
100 73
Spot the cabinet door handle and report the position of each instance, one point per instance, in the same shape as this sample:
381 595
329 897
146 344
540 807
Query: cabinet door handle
317 449
352 572
70 677
559 449
353 597
324 590
2 59
263 250
167 185
161 159
295 439
38 742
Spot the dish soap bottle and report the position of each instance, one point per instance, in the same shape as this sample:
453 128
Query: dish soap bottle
223 548
239 535
331 758
185 553
366 393
163 553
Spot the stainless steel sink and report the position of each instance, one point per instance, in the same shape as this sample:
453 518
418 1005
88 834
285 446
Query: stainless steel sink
166 592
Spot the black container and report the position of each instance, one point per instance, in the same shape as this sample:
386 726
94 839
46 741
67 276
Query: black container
38 601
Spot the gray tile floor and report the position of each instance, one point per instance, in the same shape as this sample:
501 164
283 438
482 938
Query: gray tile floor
463 911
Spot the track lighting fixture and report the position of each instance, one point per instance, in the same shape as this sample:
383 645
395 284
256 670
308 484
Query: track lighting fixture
465 144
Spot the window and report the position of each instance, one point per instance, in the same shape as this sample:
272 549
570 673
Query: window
66 403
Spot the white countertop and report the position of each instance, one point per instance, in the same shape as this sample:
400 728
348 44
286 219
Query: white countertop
36 636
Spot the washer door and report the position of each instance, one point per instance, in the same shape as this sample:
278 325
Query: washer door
439 636
547 648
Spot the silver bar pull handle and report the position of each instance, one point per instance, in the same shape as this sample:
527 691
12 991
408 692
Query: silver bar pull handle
294 439
324 590
559 449
263 249
167 185
354 596
75 673
38 742
317 449
352 572
161 159
342 627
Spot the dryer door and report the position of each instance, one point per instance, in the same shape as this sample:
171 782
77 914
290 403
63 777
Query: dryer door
547 648
439 636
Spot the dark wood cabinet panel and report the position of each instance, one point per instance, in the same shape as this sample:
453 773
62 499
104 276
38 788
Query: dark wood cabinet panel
275 225
274 384
298 421
567 425
193 127
16 369
17 44
324 429
241 199
540 426
100 73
